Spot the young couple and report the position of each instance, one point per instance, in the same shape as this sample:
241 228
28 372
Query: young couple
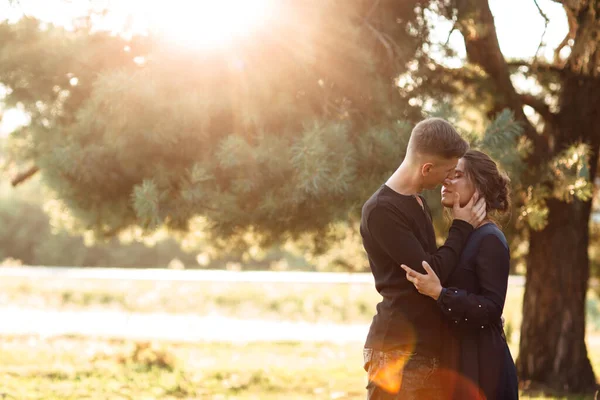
438 331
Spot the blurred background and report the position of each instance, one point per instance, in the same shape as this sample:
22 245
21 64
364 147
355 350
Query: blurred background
183 184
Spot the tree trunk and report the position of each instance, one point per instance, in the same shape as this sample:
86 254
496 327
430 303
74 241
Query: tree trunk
552 349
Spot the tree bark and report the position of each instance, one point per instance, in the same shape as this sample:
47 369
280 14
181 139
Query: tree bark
552 348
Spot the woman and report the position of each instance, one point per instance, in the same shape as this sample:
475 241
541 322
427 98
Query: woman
473 298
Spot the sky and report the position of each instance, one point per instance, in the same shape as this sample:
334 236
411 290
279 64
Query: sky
519 26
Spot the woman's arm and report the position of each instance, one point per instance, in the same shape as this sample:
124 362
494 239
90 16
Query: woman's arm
492 262
492 268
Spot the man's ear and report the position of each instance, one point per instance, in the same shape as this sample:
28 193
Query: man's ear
426 169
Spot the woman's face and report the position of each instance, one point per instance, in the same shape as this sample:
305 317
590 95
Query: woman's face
461 184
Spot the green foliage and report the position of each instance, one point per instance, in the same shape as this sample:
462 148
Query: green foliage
265 141
30 236
565 177
26 235
500 140
570 170
270 137
535 210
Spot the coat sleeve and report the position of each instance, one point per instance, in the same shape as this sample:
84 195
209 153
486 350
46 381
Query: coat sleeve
478 310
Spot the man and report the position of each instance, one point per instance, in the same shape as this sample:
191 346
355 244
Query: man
402 348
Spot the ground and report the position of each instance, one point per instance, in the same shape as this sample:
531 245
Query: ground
83 367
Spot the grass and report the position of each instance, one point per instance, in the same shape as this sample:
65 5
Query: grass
338 303
84 368
91 368
79 368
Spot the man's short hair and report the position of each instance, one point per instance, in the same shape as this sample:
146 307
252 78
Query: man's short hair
437 137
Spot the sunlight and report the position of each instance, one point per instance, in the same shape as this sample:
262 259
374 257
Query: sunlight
207 24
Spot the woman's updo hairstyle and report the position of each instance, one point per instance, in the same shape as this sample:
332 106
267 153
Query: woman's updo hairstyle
490 182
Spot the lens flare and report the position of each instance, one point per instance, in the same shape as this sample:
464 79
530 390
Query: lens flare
389 378
457 386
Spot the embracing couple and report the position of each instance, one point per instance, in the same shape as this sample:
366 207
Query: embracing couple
438 332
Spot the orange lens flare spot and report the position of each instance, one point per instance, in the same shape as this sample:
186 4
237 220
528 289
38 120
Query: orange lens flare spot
389 378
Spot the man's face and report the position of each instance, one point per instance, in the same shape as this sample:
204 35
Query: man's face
438 171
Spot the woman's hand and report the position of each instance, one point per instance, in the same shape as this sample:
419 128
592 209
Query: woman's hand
428 284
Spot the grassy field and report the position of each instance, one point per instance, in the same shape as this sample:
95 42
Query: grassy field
92 368
80 368
314 302
84 368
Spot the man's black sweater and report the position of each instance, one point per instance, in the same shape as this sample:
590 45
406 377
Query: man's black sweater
396 230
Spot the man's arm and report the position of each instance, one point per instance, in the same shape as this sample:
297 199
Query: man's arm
393 233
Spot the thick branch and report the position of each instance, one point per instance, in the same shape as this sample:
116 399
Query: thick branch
539 106
463 75
569 36
535 66
476 24
23 176
585 51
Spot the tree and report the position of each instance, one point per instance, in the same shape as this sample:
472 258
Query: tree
280 138
291 130
554 192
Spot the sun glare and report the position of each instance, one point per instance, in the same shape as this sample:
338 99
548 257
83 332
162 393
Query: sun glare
207 24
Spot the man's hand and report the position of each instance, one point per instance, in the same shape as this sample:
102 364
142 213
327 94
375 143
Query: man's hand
473 212
428 284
